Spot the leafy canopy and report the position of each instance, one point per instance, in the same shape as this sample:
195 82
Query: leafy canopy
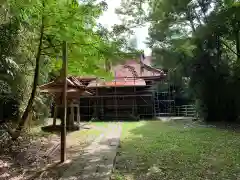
75 23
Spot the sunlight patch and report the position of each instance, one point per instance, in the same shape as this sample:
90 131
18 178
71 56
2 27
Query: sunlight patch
154 170
142 123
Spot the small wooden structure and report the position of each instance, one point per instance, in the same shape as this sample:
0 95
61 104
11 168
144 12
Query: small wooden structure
75 90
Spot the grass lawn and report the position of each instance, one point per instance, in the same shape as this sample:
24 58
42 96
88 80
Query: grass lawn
167 150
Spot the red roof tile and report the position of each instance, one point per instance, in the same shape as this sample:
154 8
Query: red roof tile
131 73
117 83
133 68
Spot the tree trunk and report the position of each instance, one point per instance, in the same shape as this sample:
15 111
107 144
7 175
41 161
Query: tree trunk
237 44
190 19
28 109
107 65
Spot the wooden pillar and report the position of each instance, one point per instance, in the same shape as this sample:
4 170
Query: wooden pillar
95 109
71 119
78 115
64 103
55 115
102 111
132 106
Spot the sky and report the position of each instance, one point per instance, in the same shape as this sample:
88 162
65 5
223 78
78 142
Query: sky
109 18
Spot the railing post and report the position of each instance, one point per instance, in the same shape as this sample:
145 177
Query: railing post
186 111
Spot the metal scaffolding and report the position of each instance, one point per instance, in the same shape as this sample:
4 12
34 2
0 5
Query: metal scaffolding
126 102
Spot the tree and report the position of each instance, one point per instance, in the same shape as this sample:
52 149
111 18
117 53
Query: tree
200 40
133 42
48 24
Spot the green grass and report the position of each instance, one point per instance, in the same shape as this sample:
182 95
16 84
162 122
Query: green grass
84 136
156 150
37 131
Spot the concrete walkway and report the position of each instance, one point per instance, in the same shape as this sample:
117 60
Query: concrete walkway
98 157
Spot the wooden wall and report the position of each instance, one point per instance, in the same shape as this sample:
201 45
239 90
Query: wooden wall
117 104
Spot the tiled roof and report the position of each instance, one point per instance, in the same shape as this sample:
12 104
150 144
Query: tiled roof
74 86
117 83
131 73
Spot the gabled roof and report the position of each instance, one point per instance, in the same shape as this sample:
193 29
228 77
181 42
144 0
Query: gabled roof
120 82
136 69
130 73
56 86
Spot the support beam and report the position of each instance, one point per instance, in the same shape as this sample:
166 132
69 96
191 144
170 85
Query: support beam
71 119
55 115
78 116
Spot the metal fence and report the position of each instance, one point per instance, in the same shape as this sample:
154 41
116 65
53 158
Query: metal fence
186 110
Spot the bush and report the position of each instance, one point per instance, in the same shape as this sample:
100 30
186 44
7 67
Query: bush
9 108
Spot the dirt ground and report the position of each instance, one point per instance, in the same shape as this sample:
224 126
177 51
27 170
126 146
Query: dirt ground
36 155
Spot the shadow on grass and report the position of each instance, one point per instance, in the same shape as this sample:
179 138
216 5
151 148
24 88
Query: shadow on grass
176 150
57 128
235 126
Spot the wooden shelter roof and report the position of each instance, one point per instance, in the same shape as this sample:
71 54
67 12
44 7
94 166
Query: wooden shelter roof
75 87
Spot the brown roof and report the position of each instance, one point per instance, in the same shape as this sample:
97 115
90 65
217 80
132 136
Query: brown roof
120 82
74 86
131 73
133 68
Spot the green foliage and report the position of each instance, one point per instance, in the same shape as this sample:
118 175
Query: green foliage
89 45
74 23
199 40
8 43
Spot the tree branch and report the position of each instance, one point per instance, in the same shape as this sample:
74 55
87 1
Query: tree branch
229 48
80 44
189 18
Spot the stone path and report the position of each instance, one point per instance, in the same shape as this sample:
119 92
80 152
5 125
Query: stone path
98 157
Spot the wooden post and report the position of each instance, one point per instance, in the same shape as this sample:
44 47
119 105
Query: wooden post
55 115
186 111
78 116
134 106
64 102
71 119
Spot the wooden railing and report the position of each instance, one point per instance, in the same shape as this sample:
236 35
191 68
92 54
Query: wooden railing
186 111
